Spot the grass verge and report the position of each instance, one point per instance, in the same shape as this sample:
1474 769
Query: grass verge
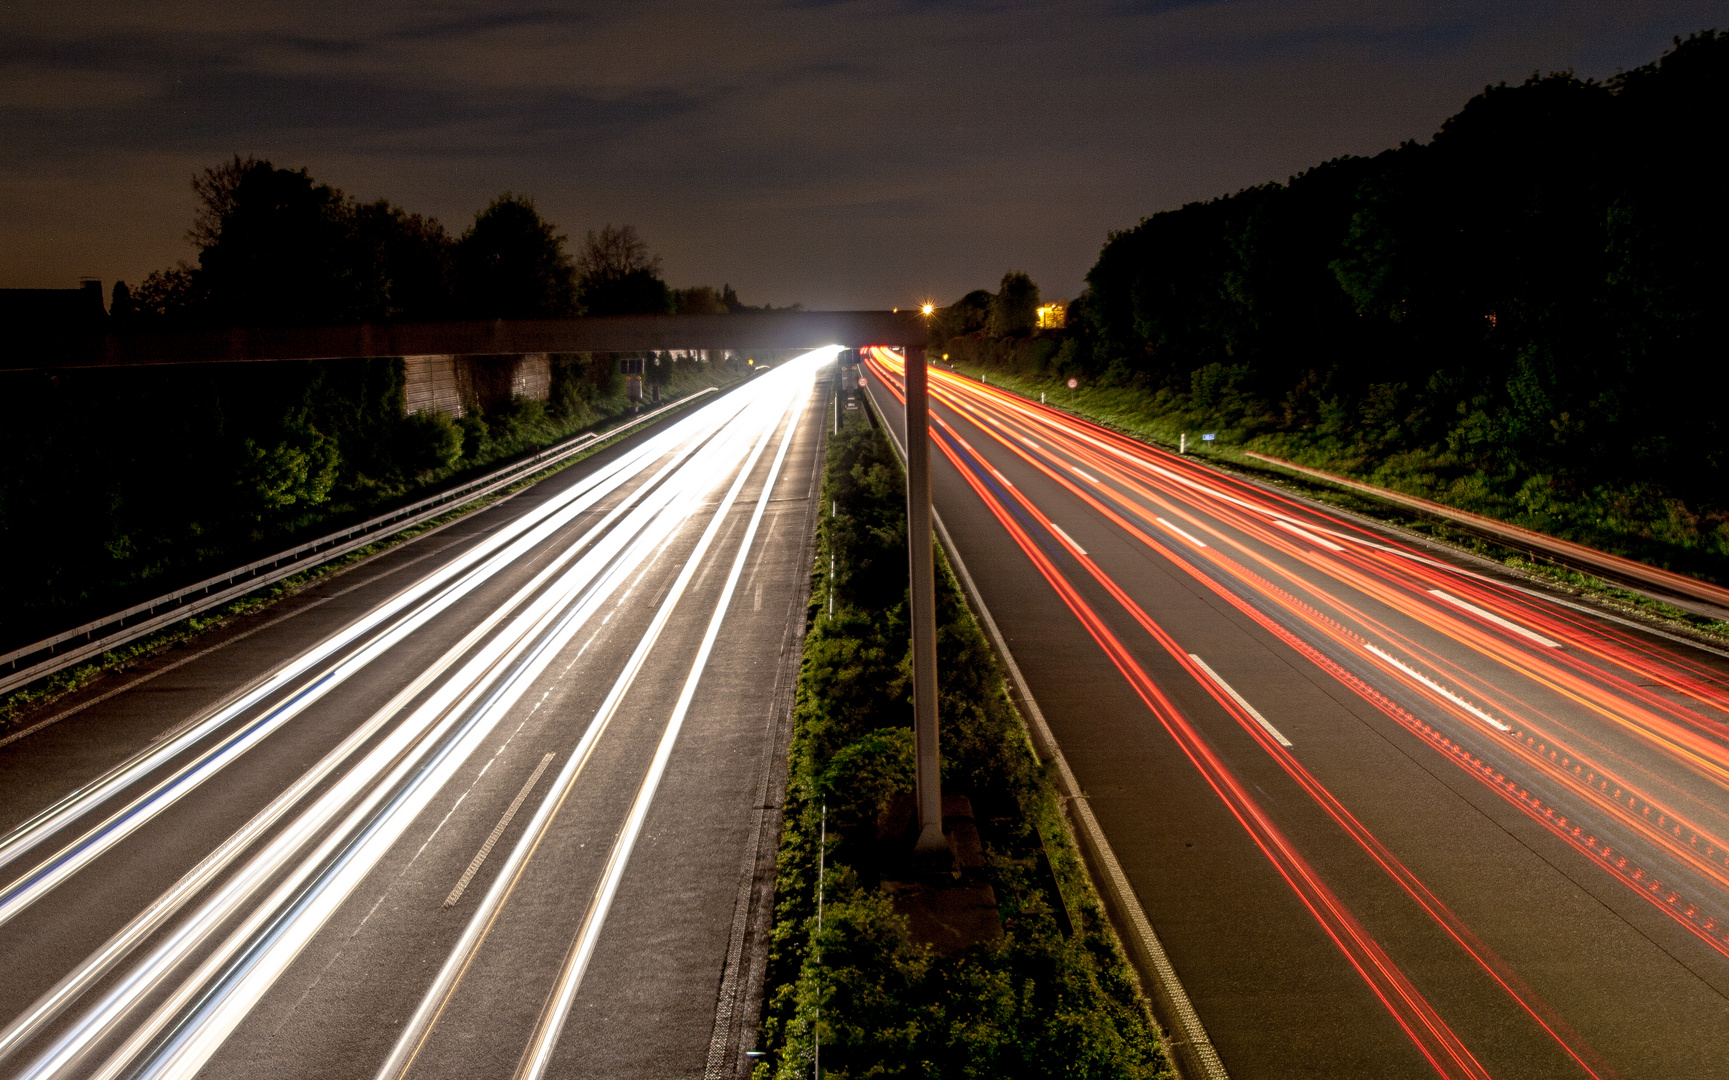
1054 996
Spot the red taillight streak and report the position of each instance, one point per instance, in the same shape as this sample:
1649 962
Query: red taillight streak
1367 571
1432 905
1530 751
1545 814
1591 638
1427 1031
1468 633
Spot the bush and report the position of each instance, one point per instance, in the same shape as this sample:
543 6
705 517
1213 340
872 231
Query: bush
1034 1003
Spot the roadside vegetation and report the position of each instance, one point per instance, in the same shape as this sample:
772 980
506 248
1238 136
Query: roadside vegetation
1053 996
123 483
1521 318
22 709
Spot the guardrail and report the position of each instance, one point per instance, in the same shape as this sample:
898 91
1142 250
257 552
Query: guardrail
1653 580
100 635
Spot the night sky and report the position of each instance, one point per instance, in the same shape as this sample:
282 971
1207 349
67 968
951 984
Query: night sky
850 154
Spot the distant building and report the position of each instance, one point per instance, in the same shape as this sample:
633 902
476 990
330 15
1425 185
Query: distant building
54 309
1052 316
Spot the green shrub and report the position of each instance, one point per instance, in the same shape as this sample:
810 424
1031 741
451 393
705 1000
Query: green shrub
1034 1003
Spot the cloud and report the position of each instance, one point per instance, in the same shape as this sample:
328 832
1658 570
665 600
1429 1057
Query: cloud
839 153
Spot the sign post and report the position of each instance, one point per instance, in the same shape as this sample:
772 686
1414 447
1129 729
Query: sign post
922 570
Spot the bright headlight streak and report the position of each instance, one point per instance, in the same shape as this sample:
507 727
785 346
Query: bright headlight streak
41 879
142 979
418 735
432 1003
528 531
24 1027
538 1054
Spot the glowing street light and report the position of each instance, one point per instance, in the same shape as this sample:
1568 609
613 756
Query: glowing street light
927 309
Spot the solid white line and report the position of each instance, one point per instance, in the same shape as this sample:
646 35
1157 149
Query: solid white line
1193 1041
1240 700
497 831
1193 540
1439 689
1309 536
1058 529
1496 619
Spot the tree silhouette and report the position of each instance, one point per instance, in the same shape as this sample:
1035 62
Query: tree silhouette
511 264
619 276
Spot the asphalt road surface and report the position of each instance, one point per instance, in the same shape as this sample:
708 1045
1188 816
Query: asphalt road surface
1391 815
495 803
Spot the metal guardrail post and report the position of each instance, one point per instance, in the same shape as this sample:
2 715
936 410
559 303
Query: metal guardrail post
921 565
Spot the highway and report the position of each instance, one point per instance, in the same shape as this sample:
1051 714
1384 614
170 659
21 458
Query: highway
497 802
1390 814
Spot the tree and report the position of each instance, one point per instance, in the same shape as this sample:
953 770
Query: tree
1014 309
697 300
406 263
511 264
619 276
276 248
967 315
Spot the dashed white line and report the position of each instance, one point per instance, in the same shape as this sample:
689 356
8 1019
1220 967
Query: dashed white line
1266 724
1309 536
1067 539
1439 689
1180 532
1496 619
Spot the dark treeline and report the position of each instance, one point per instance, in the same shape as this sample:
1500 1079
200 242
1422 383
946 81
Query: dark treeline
278 248
1523 316
121 483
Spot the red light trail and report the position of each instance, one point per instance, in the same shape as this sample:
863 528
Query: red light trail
1292 571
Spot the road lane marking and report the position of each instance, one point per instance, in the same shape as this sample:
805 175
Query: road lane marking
1058 529
497 831
439 710
1309 536
1496 619
1240 700
1193 540
438 994
538 1054
1439 689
